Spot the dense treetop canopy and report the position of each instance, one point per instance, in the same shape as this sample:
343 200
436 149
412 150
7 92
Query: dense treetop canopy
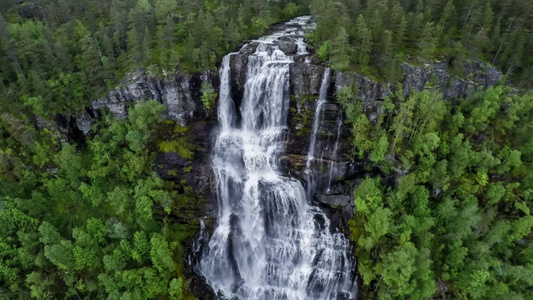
92 220
376 35
57 54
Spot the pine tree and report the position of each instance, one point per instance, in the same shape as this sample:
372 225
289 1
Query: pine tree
363 39
147 47
447 20
90 58
428 42
399 32
391 67
415 27
340 58
134 47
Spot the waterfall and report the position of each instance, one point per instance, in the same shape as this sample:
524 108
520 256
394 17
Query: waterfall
226 107
335 150
269 242
314 131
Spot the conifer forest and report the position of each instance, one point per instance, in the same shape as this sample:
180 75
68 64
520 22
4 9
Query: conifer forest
266 149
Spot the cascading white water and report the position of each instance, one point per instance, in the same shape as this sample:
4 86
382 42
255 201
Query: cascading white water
335 150
226 106
314 131
269 242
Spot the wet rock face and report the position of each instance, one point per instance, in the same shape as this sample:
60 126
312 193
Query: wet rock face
305 78
195 172
181 94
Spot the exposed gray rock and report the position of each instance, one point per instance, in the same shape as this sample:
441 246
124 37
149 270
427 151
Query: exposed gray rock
333 200
430 76
305 78
178 92
288 46
347 212
84 122
32 10
42 123
369 91
238 64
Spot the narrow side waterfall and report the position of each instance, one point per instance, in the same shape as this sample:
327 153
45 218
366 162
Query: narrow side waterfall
269 241
226 106
332 167
309 171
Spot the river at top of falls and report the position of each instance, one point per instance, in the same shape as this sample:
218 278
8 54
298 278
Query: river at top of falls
269 242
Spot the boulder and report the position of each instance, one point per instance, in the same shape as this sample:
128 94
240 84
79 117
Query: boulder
289 47
335 200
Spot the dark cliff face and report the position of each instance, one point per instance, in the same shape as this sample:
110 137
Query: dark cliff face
181 94
435 76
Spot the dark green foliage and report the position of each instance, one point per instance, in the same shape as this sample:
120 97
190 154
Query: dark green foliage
458 224
72 51
499 32
93 220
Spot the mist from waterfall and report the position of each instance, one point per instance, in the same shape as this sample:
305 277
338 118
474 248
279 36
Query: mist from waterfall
269 242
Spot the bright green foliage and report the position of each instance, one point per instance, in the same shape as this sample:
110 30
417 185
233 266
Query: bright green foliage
160 254
456 223
380 149
208 96
92 221
175 290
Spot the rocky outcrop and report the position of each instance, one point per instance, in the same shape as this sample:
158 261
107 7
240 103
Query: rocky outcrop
180 93
435 76
306 77
287 46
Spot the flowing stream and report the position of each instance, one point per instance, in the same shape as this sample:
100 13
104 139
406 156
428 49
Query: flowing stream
269 242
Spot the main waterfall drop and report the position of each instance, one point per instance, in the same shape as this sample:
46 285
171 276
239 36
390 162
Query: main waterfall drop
270 242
